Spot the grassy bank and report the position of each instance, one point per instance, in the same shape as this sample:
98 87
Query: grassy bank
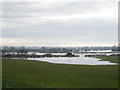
36 74
112 59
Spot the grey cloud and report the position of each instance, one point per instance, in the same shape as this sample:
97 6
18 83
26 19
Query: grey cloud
19 10
21 21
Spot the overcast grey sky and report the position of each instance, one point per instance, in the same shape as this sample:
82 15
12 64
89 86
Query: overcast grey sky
60 23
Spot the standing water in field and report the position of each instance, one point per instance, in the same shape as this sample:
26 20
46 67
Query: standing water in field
74 60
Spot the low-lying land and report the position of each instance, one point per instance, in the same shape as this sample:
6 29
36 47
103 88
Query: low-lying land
112 59
36 56
37 74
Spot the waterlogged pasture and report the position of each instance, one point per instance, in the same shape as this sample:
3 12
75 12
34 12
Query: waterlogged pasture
37 74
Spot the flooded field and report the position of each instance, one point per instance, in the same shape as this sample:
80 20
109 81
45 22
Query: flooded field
81 60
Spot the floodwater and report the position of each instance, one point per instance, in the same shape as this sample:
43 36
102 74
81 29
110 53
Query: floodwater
74 60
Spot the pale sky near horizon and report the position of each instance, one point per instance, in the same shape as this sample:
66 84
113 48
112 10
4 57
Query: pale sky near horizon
60 23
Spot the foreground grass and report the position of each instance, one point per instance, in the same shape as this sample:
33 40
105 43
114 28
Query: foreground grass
36 74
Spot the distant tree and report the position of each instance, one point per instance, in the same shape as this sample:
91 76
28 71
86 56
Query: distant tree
22 51
6 49
12 49
114 48
3 52
26 52
119 47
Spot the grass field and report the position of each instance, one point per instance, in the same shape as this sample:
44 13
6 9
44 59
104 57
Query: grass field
36 74
113 59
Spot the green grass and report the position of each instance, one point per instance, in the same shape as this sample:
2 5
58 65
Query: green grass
36 74
112 59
